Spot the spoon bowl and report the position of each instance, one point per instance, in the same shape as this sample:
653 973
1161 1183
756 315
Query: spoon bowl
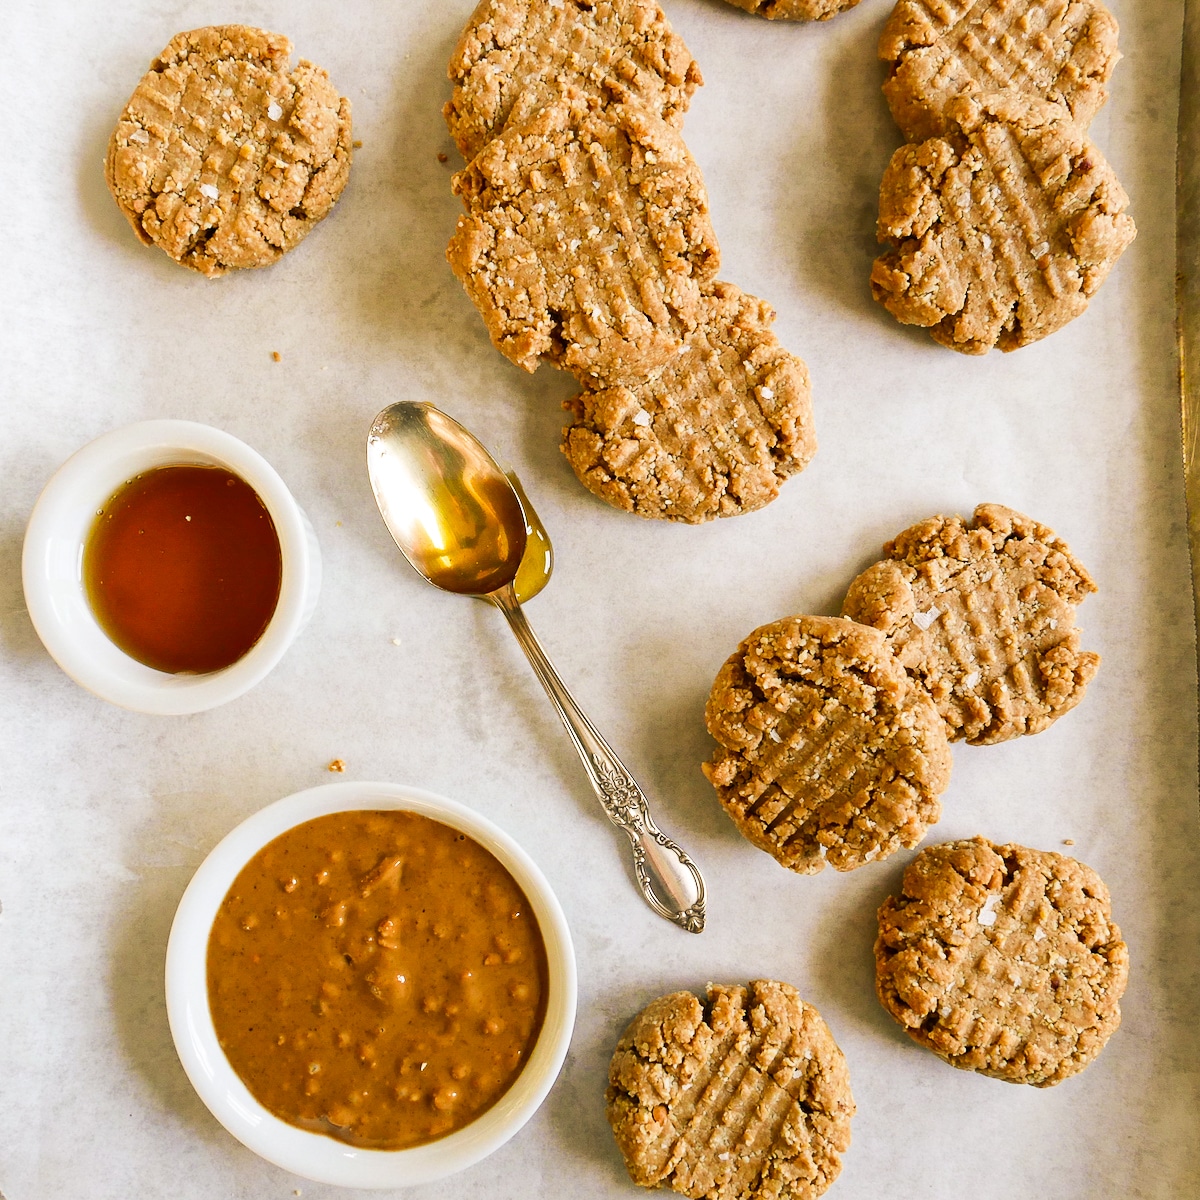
460 522
449 507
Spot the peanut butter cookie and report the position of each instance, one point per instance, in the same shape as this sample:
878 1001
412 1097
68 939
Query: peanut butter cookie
1002 960
828 752
938 50
714 433
982 615
743 1097
586 240
1001 230
515 56
223 156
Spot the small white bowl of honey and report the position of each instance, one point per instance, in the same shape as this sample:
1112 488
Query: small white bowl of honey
167 568
370 985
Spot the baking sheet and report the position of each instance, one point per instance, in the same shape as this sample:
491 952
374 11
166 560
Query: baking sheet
104 814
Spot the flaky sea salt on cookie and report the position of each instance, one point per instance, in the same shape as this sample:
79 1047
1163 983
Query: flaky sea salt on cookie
938 50
224 157
741 1096
828 752
1002 960
586 241
713 434
515 56
981 614
1001 230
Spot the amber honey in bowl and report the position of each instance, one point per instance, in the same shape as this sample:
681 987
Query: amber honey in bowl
182 568
378 977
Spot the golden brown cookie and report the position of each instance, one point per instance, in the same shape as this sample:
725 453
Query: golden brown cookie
714 433
515 56
938 50
223 156
794 10
828 751
1002 960
586 240
982 615
743 1097
1001 230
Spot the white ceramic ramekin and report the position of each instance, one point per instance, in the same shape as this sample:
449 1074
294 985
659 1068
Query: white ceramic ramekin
52 566
310 1154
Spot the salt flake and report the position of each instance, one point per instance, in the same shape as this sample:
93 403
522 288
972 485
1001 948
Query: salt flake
274 111
773 734
987 914
641 417
209 190
923 620
971 680
766 393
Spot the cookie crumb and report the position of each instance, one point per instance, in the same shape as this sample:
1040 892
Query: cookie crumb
275 356
442 156
356 145
337 766
397 642
1068 841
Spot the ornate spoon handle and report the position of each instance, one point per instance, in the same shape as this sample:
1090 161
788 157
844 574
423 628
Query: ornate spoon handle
669 880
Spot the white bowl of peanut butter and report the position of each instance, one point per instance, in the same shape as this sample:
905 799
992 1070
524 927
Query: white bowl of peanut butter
370 985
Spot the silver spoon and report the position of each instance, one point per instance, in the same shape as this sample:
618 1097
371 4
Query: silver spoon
460 523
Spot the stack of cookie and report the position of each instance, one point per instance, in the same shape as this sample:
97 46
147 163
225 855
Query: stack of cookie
1003 218
834 747
833 733
587 243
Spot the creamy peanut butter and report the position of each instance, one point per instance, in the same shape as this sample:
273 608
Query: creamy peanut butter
376 976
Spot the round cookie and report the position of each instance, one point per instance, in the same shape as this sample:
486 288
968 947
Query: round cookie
828 751
1002 960
982 615
514 56
745 1097
794 10
1000 231
1058 50
715 433
223 157
586 240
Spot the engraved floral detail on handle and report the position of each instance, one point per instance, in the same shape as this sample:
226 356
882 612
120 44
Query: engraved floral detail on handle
626 806
621 797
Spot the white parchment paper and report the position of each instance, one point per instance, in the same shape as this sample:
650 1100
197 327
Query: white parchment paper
104 814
